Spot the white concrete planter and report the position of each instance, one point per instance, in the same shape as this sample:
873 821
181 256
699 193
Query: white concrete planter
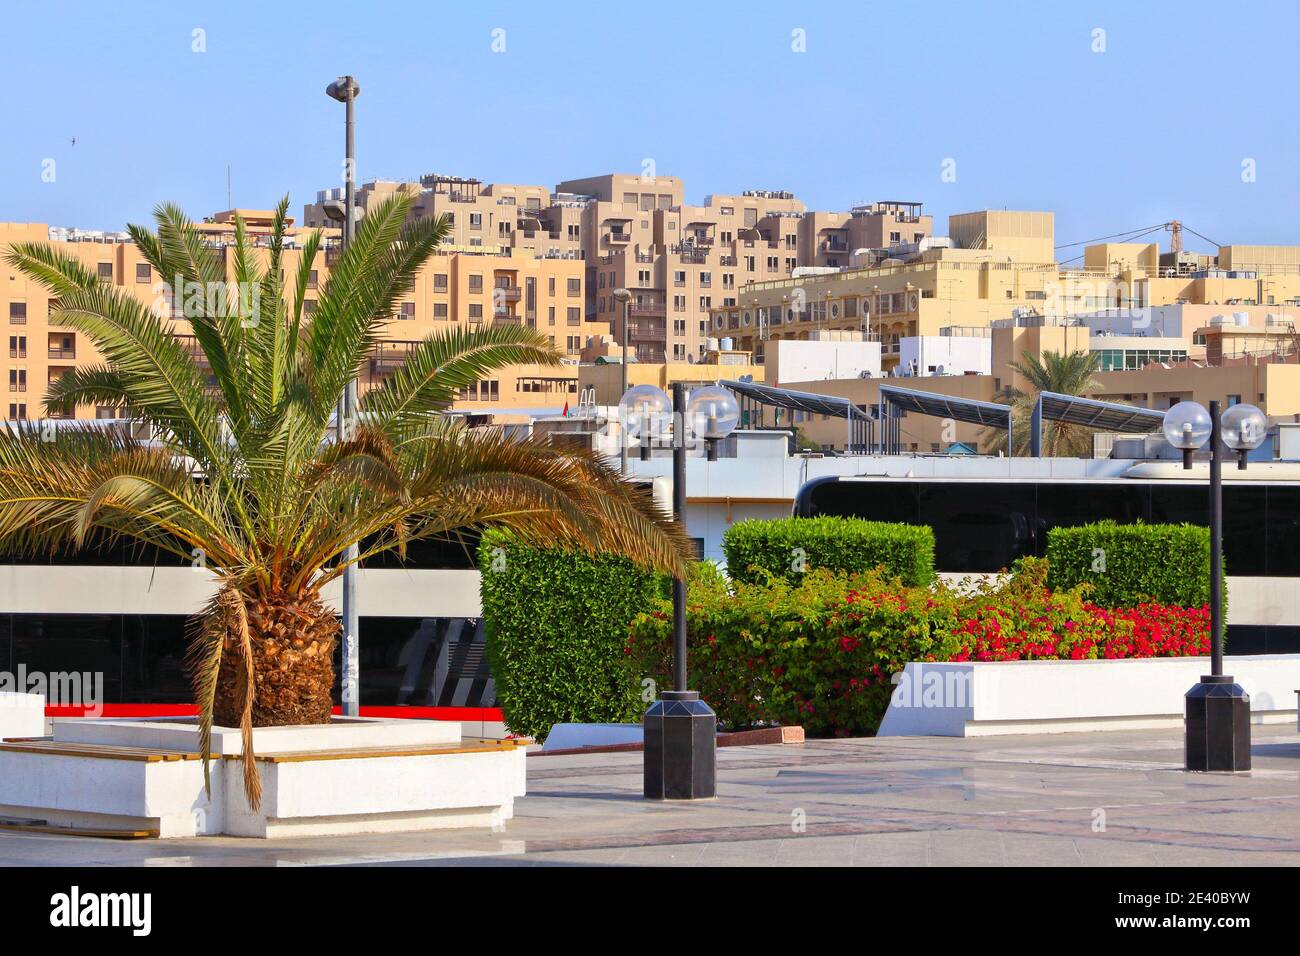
21 715
970 699
355 775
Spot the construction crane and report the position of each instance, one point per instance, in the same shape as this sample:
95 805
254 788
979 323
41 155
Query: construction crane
1175 229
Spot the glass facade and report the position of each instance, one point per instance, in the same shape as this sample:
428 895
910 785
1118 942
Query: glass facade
1131 360
411 661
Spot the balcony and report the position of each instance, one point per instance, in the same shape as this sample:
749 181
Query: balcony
618 237
62 353
508 293
506 318
647 332
648 308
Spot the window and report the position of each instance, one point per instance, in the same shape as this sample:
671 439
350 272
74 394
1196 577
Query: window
106 271
18 380
17 411
63 346
408 311
143 272
440 310
312 279
574 232
475 283
679 326
440 282
574 287
573 344
18 346
575 316
476 220
17 313
895 237
476 311
550 286
550 315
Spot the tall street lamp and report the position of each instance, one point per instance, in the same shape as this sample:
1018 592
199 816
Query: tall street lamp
680 729
346 89
625 297
1217 721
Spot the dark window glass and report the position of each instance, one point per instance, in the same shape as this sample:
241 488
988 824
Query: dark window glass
1282 547
153 659
424 662
873 500
978 526
457 552
1070 505
71 643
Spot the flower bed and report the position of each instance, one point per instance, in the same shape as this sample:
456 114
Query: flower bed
821 652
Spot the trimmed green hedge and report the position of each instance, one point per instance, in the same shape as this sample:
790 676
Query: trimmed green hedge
787 547
823 651
1127 564
557 623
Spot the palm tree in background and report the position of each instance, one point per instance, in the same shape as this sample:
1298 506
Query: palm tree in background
243 469
1068 373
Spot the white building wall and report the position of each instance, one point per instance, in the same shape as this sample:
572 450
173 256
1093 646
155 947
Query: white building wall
818 361
955 354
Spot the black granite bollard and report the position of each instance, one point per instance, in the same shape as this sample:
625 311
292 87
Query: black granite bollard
1217 726
680 747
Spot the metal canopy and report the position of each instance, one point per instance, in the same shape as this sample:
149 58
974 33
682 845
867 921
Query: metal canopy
894 400
809 402
946 406
1111 416
859 431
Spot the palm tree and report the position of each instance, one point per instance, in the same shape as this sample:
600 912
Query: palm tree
242 470
1067 373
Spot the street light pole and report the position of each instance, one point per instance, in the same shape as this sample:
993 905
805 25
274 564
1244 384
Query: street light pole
680 730
1217 714
346 89
1216 545
625 297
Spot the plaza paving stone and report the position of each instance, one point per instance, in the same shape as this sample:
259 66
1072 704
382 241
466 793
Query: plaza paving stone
993 801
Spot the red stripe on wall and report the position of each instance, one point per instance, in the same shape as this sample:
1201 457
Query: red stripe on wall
189 710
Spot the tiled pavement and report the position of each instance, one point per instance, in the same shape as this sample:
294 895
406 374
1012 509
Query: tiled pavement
1069 800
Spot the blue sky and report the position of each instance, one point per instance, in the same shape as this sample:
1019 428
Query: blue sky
1155 127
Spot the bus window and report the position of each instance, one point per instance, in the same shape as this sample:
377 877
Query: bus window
872 500
1062 505
1282 544
1244 520
978 526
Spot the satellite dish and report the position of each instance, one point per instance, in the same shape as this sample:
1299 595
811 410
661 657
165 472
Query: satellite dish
939 370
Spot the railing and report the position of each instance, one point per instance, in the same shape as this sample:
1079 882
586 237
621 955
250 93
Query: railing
647 308
618 237
62 353
510 293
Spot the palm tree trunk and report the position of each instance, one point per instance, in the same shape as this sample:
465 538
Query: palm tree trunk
292 641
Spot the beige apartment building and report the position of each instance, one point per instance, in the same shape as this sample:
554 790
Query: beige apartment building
546 293
637 232
996 266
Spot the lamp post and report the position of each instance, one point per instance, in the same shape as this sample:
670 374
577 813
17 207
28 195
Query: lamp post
625 297
346 89
1217 714
680 729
